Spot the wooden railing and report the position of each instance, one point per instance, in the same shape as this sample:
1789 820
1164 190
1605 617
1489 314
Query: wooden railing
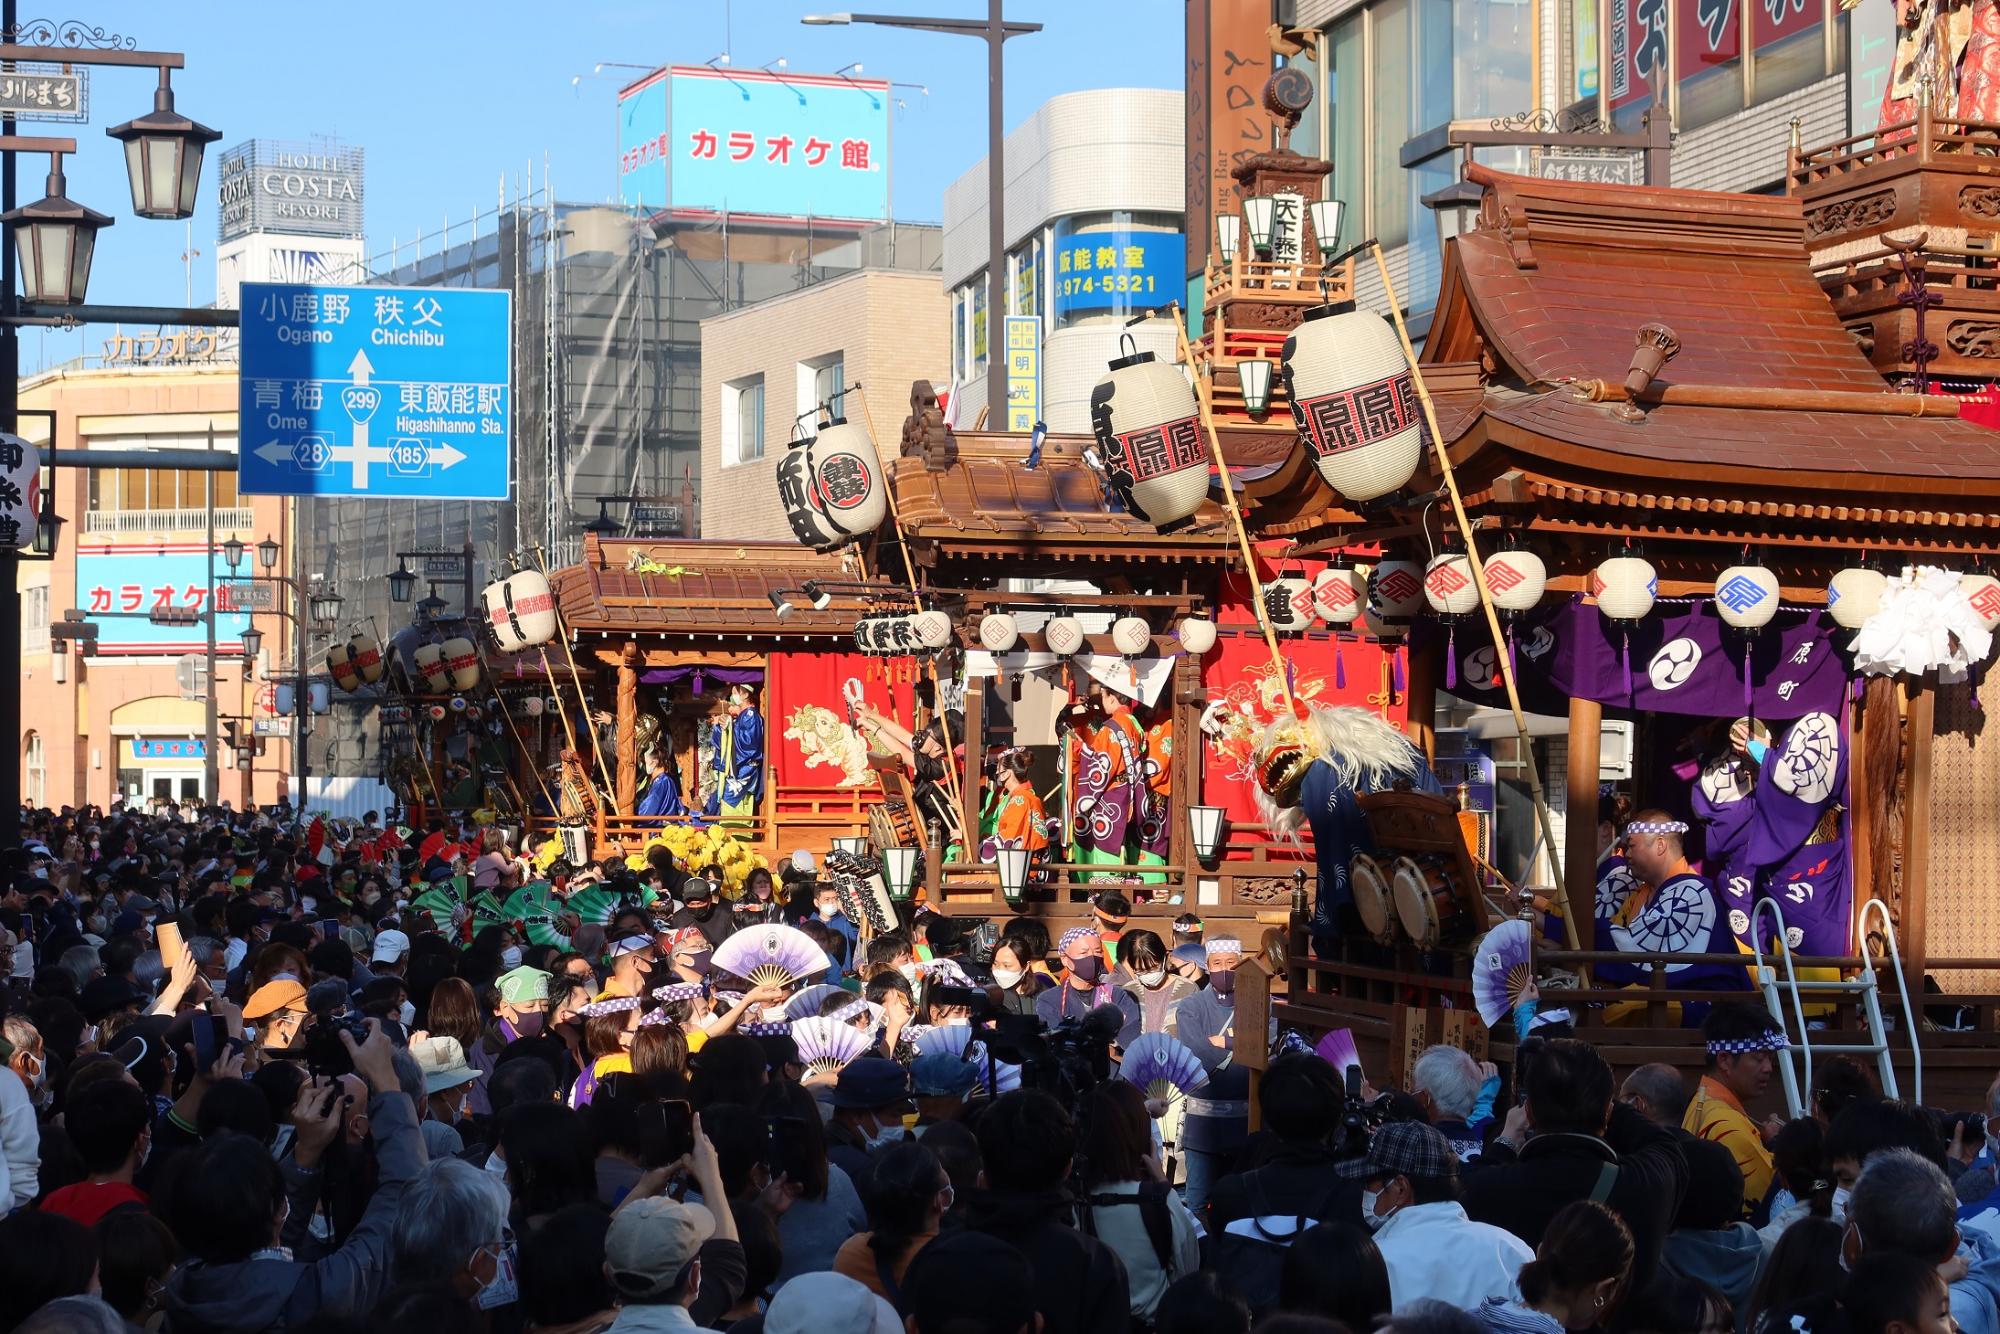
1921 140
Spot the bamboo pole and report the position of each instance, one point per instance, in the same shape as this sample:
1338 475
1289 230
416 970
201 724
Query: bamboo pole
1527 745
910 566
576 678
1201 398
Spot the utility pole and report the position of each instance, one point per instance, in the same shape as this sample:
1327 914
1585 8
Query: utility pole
211 773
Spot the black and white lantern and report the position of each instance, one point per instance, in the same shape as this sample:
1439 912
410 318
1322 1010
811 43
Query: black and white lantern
1288 603
1013 864
831 486
1205 827
899 869
520 611
1354 401
1148 431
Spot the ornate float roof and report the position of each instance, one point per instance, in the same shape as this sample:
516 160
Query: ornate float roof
1768 411
714 589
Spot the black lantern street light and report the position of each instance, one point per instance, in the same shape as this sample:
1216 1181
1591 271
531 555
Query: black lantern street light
325 604
163 151
232 554
267 553
56 238
402 583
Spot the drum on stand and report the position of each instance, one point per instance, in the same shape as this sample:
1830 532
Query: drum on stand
891 825
1372 900
1426 903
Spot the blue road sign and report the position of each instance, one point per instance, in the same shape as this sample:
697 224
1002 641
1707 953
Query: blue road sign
398 392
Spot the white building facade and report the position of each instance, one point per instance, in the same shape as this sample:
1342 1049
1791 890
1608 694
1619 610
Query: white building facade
1094 198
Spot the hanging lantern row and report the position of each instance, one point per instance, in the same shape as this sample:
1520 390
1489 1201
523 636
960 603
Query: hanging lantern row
520 611
900 636
831 486
999 632
452 665
1148 429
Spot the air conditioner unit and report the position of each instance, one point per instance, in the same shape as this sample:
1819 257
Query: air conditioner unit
1615 746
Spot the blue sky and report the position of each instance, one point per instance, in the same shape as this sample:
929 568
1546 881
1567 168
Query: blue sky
449 98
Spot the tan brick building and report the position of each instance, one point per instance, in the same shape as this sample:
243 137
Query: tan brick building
764 365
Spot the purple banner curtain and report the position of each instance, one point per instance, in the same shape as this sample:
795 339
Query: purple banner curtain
723 676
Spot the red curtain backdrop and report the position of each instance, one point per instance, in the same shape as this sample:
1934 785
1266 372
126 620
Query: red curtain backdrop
800 679
1982 406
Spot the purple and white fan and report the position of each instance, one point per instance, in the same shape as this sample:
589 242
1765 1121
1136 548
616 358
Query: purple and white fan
1162 1066
1337 1049
805 1003
1502 970
773 955
825 1044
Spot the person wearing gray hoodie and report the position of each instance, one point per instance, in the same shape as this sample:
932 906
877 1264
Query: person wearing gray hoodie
229 1208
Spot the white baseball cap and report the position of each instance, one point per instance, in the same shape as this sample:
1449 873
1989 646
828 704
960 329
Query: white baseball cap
390 947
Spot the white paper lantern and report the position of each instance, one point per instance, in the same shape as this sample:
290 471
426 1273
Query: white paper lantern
1982 592
1354 401
458 704
1516 579
1374 625
1625 587
932 629
831 486
1854 594
1288 602
461 660
1064 636
999 632
520 611
21 467
1149 435
1196 634
366 655
436 713
1131 635
1339 592
1746 596
1448 584
340 665
533 706
429 661
1396 590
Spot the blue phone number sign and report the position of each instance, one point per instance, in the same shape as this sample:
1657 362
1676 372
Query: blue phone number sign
1116 271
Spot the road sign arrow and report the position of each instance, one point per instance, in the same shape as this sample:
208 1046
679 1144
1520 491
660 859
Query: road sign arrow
361 368
445 456
274 452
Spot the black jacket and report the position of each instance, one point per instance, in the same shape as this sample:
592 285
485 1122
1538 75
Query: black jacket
1522 1192
1080 1283
1295 1180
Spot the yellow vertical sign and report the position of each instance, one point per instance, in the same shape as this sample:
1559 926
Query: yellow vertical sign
1024 373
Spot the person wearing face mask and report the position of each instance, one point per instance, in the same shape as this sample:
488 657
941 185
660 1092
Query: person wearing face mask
1085 985
448 1082
389 953
1409 1199
1215 1124
704 911
869 1100
22 1087
759 903
278 1008
1143 973
632 966
826 907
1018 983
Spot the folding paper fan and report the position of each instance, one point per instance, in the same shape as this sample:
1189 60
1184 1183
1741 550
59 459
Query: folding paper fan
1502 968
1001 1077
596 905
440 900
770 956
805 1003
1163 1066
1339 1051
826 1045
949 1040
542 917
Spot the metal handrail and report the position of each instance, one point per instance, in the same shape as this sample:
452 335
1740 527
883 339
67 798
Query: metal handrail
1902 985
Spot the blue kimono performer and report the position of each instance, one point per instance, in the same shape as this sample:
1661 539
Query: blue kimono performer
740 757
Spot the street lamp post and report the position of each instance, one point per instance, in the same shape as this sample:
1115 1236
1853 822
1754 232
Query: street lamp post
995 31
56 238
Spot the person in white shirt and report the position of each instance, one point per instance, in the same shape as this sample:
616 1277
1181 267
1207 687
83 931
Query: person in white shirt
1409 1200
20 1134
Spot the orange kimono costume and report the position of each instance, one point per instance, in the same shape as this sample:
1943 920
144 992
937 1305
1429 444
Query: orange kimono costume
1111 793
1018 822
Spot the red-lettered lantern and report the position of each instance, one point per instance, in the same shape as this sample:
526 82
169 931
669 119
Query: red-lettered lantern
520 611
1625 587
340 666
1131 635
1149 433
1354 401
1982 592
1288 602
1854 594
429 660
366 655
932 629
1396 590
1339 592
999 632
1064 636
831 486
1516 578
461 663
1449 586
1197 634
